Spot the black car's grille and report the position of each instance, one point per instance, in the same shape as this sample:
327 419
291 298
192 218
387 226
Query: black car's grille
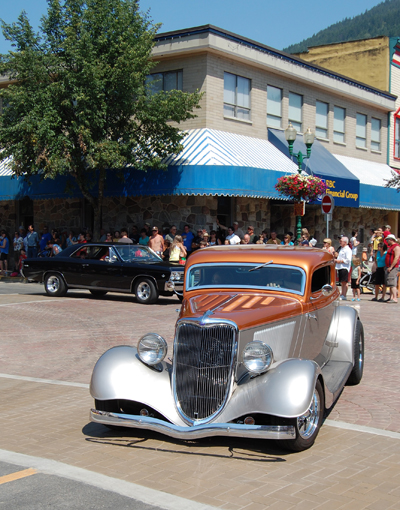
203 364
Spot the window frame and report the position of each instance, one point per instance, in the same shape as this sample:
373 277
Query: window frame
272 115
323 128
379 141
163 74
291 120
235 105
336 131
359 138
396 142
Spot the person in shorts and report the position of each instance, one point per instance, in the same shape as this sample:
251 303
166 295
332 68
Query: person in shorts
392 261
343 264
355 278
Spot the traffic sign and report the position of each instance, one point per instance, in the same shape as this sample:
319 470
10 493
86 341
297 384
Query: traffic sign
327 204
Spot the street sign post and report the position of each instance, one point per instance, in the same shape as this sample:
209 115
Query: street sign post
327 206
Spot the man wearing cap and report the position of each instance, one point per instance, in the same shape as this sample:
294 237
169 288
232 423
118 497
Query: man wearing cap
156 241
253 237
392 261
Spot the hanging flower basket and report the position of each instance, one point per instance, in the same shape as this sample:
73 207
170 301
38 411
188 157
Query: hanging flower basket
300 187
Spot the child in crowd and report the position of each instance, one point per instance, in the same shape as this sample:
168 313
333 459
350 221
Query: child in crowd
355 278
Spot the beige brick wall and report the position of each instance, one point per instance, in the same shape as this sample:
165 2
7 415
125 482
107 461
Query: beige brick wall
205 72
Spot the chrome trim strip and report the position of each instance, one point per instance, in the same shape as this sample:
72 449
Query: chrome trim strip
195 432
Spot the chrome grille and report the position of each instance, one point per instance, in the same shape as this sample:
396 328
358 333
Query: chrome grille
203 364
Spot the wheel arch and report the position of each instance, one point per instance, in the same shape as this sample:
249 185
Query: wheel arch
147 277
54 271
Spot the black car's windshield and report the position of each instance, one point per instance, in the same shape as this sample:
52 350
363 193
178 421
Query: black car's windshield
224 275
136 253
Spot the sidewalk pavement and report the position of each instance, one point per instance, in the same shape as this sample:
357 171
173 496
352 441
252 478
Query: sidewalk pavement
48 348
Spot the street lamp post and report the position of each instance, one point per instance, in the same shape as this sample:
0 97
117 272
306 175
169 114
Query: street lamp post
308 137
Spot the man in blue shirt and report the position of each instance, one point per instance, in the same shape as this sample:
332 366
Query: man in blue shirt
32 241
187 237
46 236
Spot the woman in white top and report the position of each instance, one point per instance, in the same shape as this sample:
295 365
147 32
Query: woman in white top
343 264
177 252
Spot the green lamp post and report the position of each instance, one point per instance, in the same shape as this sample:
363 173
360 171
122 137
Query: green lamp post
308 137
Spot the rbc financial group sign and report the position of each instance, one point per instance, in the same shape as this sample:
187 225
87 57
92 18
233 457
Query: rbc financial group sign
346 192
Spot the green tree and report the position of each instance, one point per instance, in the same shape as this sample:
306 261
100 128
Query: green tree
77 103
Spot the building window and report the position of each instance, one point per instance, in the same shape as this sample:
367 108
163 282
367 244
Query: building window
361 131
236 96
339 118
397 136
375 134
295 108
321 119
274 107
170 80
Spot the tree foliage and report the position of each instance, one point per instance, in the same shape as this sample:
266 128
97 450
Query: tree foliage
394 182
78 103
383 19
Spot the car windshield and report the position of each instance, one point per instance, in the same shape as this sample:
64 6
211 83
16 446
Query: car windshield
135 253
245 276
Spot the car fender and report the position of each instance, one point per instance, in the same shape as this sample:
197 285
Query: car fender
119 374
45 273
147 276
285 390
344 342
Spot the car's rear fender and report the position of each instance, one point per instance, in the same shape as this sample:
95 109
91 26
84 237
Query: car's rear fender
343 343
51 271
119 374
285 390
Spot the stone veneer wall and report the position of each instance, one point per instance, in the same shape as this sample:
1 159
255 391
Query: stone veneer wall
8 216
197 211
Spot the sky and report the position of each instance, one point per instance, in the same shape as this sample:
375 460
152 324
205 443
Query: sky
273 23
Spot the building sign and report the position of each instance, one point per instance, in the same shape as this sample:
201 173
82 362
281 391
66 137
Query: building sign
345 192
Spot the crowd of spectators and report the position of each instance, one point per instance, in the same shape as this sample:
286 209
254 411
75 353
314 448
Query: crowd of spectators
176 247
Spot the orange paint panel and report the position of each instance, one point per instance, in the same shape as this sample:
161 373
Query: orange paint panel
267 301
235 303
253 301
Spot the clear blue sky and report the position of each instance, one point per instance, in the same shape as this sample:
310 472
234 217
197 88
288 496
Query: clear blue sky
274 23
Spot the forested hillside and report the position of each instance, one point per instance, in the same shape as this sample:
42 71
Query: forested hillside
383 19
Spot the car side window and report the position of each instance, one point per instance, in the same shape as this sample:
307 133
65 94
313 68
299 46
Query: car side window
320 277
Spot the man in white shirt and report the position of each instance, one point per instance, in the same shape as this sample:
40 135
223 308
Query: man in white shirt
232 238
343 264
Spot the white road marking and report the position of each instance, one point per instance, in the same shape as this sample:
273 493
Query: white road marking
29 302
44 381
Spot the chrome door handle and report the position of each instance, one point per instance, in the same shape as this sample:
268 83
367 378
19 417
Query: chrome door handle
311 316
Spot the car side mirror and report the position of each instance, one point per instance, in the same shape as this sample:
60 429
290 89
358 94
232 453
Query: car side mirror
327 290
107 259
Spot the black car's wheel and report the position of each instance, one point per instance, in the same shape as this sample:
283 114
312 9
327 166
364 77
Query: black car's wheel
307 425
358 342
54 285
98 293
145 291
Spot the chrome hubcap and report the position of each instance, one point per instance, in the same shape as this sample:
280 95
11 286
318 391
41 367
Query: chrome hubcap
360 357
53 284
143 291
307 423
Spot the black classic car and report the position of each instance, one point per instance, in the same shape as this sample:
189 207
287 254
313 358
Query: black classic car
107 267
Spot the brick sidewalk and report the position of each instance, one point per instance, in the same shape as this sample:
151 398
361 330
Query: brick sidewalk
344 469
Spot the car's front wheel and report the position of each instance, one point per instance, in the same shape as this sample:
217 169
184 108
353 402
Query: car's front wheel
54 285
308 424
145 291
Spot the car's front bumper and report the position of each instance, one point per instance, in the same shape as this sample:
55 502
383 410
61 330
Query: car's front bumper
171 286
195 432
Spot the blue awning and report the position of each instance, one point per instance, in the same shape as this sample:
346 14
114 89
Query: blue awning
342 184
212 163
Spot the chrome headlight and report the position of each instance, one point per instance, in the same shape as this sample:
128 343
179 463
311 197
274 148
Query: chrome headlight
176 275
152 348
257 357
